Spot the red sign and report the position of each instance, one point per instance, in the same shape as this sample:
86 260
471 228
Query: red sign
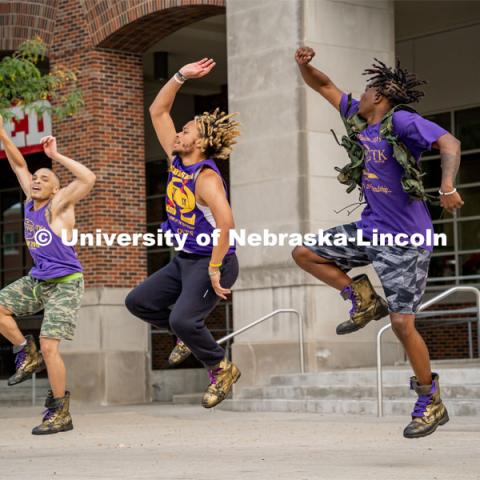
26 129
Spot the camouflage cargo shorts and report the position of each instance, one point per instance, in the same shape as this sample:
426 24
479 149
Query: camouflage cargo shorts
402 271
60 302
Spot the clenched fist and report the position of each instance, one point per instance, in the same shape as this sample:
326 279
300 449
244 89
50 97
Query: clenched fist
304 55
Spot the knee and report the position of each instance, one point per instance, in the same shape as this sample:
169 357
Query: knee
132 302
4 312
49 347
300 255
402 325
180 324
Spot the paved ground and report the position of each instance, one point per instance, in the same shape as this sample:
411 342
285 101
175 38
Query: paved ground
184 442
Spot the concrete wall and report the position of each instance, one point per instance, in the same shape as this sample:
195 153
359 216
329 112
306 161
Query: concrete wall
442 53
283 171
108 362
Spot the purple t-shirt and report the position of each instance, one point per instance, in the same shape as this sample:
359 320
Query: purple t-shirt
389 209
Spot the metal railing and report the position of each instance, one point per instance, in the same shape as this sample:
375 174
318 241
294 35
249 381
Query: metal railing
423 306
226 338
266 317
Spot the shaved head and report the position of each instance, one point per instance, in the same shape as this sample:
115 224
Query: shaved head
51 174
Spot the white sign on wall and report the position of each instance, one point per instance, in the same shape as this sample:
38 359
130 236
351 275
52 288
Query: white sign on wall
27 128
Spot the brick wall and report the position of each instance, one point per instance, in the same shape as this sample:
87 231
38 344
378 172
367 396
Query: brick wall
23 20
103 42
108 137
448 341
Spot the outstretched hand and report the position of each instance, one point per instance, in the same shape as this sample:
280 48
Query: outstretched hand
49 145
198 69
304 55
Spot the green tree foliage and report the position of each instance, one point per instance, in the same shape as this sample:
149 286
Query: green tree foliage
22 83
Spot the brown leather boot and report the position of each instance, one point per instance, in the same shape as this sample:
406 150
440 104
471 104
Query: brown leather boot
179 354
429 411
366 305
28 360
57 416
222 377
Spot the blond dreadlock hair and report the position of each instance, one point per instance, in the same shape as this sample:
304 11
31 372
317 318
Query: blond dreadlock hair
217 132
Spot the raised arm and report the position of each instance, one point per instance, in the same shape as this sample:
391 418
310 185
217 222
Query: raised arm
16 161
162 105
449 148
78 188
315 78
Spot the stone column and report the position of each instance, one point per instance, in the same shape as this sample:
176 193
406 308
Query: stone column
282 176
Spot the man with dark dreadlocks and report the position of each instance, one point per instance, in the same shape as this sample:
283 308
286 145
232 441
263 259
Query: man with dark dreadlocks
197 204
385 140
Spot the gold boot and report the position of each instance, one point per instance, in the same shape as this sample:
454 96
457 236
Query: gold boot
57 416
180 353
28 360
366 305
429 411
222 377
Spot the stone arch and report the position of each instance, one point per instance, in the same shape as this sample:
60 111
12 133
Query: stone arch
134 26
24 20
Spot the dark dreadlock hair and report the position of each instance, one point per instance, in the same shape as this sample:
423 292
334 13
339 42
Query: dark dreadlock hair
397 85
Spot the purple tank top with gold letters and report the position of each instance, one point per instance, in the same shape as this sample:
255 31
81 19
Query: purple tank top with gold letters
184 214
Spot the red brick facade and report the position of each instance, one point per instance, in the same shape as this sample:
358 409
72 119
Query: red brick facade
21 21
103 42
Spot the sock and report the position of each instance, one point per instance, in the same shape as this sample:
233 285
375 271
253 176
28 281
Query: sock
23 344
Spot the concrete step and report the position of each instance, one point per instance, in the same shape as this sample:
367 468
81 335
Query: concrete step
21 394
346 392
187 399
453 375
458 407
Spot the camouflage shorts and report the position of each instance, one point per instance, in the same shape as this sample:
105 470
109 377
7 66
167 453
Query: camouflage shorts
402 271
60 302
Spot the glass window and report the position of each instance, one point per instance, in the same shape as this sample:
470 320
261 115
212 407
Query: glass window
447 229
433 173
467 127
469 235
471 197
157 175
470 168
156 178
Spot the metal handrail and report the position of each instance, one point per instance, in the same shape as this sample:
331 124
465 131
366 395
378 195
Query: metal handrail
262 319
423 306
266 317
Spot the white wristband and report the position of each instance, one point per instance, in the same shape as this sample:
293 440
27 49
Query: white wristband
447 193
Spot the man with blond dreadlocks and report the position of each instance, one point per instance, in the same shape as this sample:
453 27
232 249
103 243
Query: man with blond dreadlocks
199 276
385 139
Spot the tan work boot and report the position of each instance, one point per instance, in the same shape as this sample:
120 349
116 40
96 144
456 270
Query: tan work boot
180 353
57 416
429 411
366 305
28 360
222 377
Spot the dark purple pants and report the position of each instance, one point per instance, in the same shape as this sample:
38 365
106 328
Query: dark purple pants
184 284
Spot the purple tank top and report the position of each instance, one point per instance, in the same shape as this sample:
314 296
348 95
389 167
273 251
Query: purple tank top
184 215
52 259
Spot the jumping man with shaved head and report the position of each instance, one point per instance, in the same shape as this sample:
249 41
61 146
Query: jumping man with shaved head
55 282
